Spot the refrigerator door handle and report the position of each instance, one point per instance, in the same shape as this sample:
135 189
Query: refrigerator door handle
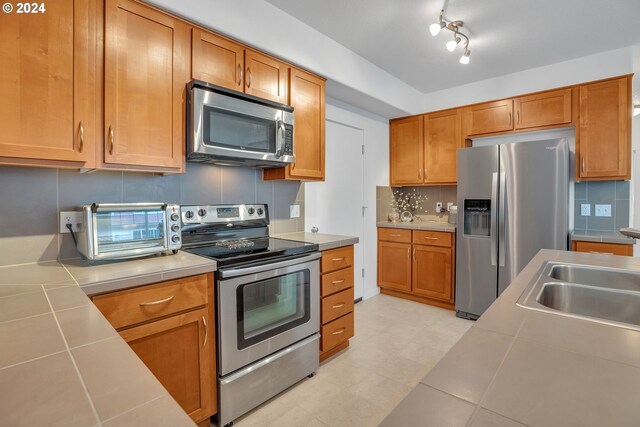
501 219
494 216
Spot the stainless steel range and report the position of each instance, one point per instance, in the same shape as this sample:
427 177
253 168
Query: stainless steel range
267 303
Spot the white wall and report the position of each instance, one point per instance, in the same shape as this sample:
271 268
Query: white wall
268 28
376 172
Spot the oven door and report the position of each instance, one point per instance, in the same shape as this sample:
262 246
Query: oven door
265 308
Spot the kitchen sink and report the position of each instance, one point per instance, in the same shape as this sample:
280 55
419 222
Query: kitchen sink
599 294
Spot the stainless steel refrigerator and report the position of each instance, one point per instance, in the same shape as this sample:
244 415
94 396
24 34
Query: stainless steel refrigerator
513 200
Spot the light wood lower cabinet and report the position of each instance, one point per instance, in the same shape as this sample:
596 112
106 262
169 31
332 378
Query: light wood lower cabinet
336 300
421 271
603 248
170 326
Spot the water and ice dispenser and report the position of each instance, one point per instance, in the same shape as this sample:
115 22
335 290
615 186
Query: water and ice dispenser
477 217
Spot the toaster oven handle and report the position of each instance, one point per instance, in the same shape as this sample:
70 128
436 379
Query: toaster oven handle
280 138
126 206
235 272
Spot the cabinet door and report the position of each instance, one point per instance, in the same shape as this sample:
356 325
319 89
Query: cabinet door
307 100
265 77
603 142
442 138
46 79
406 151
146 54
544 109
491 117
179 352
431 275
216 60
394 266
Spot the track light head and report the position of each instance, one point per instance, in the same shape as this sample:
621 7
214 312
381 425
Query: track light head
434 29
464 59
452 44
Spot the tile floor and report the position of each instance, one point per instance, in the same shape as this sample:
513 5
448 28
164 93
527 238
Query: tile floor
396 343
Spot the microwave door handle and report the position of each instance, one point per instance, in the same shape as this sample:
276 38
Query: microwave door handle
279 139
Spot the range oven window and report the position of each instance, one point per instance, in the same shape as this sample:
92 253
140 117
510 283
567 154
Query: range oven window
229 129
118 230
272 306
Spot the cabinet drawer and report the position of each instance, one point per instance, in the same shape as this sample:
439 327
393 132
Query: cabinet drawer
432 238
394 235
603 248
337 281
337 332
337 305
134 306
335 259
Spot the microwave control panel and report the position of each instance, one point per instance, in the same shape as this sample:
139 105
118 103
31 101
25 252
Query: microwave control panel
288 140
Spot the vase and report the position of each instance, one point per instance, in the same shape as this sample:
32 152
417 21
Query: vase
393 216
406 216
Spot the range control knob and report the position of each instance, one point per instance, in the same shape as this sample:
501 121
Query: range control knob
175 228
251 211
175 239
202 212
189 214
260 211
174 217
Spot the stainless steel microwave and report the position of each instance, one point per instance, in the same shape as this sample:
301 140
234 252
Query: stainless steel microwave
232 128
128 230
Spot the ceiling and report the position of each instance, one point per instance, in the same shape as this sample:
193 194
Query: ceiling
506 35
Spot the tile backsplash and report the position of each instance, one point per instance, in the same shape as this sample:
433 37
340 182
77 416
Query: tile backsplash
614 193
31 198
438 193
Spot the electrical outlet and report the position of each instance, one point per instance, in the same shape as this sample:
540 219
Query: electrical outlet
603 210
71 217
449 204
585 209
438 207
294 211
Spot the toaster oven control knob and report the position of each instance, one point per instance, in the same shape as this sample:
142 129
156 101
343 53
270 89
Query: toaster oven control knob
251 211
175 239
175 228
260 211
175 217
202 212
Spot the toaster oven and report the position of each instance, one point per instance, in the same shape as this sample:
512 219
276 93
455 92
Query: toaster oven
128 230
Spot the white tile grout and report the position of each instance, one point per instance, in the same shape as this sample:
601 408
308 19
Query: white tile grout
73 360
134 408
32 360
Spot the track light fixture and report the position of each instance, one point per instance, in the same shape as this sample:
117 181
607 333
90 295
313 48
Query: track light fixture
458 37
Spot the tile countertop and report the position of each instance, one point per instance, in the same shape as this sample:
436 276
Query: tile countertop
535 368
601 236
324 241
420 225
61 362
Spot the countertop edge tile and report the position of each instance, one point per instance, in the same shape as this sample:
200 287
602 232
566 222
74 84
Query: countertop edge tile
423 225
601 237
324 241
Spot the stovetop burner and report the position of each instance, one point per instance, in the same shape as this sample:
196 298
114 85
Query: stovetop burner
235 234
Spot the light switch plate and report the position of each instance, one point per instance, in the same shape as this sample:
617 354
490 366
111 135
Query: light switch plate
294 211
585 209
71 217
603 210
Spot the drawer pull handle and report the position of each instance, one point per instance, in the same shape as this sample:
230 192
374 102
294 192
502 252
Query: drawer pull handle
342 304
431 238
204 324
160 301
337 259
337 282
394 235
339 331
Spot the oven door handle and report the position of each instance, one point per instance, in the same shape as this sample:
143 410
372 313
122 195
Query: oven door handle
235 272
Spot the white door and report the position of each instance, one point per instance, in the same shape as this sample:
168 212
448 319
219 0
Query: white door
335 205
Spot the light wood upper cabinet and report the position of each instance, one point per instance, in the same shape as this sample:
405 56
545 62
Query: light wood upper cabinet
307 97
603 137
47 82
543 109
145 71
217 60
432 272
265 77
442 138
491 117
406 156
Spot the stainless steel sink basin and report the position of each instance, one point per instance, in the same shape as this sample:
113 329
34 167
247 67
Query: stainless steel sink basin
604 295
